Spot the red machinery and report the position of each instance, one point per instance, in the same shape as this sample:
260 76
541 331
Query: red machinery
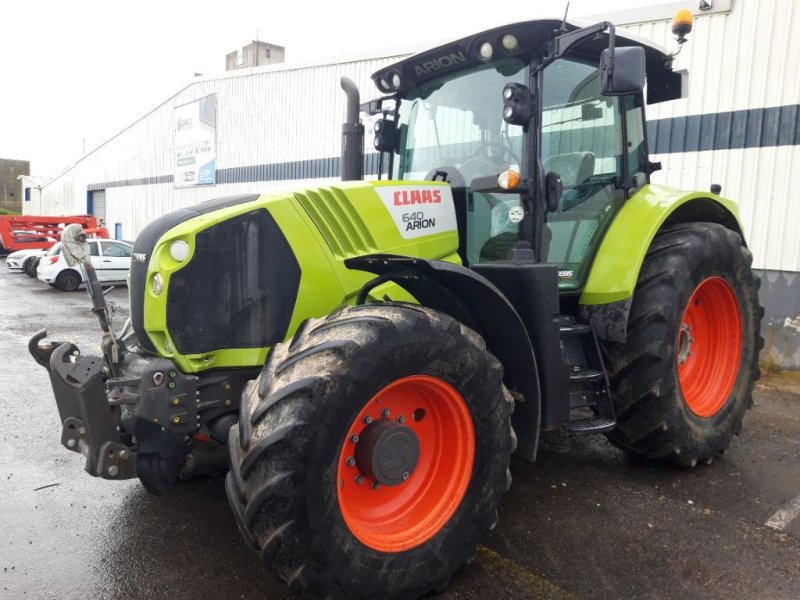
22 232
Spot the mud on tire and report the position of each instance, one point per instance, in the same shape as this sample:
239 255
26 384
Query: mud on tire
655 418
297 418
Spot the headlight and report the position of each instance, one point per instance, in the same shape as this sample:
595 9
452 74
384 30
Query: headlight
158 284
179 250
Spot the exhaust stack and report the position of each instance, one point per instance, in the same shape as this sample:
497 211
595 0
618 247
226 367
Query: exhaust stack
352 161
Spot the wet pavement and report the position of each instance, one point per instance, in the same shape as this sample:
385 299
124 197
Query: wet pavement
582 522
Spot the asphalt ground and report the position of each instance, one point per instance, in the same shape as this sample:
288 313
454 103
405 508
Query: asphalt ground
582 522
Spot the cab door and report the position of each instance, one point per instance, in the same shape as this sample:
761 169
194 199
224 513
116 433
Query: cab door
582 141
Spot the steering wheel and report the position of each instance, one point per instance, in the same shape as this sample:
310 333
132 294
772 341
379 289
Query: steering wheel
489 158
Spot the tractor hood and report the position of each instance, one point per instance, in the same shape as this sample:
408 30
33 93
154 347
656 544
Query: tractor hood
216 285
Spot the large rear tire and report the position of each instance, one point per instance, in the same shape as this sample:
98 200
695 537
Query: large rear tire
371 452
684 378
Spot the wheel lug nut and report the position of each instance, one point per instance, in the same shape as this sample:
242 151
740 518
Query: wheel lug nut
386 412
351 462
354 438
375 485
406 475
367 419
401 419
359 479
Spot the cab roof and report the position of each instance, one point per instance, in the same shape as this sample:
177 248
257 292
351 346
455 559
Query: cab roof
534 38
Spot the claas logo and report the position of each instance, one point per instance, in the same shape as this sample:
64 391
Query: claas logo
406 197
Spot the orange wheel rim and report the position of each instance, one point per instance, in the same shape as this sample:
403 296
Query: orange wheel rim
709 346
409 511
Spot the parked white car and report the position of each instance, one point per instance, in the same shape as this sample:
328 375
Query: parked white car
111 260
16 260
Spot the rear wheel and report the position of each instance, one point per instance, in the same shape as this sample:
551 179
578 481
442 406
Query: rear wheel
684 378
371 452
68 281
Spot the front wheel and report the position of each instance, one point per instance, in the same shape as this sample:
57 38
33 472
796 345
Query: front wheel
371 452
684 378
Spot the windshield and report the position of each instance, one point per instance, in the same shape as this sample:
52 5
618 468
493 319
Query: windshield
457 121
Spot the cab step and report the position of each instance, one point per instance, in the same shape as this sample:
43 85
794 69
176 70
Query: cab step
585 375
590 405
591 425
574 329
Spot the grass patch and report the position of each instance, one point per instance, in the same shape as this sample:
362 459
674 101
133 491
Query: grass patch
769 366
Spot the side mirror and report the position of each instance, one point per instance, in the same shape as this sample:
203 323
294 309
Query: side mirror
553 190
622 71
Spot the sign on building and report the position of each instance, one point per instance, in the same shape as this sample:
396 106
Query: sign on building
195 142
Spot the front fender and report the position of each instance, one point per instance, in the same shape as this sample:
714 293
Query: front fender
473 300
612 278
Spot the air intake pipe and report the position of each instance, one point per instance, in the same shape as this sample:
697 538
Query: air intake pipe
352 161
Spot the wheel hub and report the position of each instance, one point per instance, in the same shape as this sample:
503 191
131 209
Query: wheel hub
685 341
387 452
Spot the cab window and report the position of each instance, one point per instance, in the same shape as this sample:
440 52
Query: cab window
582 142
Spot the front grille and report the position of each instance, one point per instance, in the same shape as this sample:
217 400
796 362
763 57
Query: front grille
238 290
145 244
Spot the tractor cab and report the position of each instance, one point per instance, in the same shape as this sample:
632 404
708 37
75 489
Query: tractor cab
554 110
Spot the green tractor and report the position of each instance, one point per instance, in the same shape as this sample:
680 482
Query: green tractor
365 358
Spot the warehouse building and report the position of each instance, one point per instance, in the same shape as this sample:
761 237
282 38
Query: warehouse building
278 126
11 190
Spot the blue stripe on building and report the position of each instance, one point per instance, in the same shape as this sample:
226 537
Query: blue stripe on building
753 128
317 168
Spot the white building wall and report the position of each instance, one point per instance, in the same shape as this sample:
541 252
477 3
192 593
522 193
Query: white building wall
745 59
265 115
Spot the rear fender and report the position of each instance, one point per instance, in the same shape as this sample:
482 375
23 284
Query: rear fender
607 295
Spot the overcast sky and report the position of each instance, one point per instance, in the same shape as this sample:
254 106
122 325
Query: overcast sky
74 73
